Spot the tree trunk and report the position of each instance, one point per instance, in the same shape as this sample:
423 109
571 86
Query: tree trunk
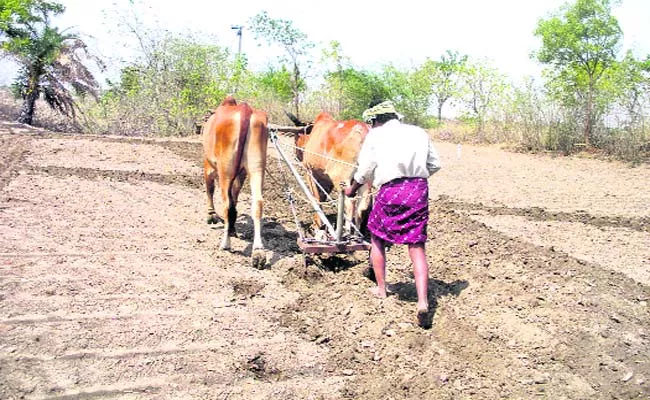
296 102
29 102
295 89
439 112
27 110
588 115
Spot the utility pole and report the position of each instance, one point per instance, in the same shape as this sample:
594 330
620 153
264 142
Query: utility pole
239 29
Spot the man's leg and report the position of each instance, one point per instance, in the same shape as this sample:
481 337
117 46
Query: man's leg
378 258
421 273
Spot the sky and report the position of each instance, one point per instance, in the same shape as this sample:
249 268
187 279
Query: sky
404 33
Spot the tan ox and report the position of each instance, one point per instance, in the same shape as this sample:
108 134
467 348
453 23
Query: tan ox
331 148
235 140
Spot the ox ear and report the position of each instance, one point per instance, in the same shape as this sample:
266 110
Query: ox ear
294 119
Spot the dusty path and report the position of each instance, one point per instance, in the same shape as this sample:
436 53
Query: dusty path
111 287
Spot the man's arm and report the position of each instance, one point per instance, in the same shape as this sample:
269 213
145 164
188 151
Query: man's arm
365 168
365 162
433 159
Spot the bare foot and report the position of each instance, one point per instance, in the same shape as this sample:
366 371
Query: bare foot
378 293
424 319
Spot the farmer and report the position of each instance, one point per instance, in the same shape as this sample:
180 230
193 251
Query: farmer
397 158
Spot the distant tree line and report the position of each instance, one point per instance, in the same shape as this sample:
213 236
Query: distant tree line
592 95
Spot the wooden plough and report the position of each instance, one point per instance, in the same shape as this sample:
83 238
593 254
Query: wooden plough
333 240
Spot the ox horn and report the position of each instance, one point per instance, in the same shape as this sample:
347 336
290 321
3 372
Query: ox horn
294 119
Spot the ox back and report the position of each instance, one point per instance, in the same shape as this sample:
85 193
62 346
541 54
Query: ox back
235 140
330 153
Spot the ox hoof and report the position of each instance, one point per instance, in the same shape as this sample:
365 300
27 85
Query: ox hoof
213 219
258 259
225 244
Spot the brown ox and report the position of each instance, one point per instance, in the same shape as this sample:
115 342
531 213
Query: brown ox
330 153
235 139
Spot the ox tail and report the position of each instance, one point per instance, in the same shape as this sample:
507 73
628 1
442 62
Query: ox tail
244 126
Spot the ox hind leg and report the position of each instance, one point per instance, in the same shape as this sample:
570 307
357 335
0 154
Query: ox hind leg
316 181
209 175
256 165
258 256
226 182
349 212
362 204
237 184
257 207
316 222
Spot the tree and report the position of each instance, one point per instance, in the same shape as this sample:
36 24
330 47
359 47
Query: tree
485 87
335 76
51 61
293 41
355 90
348 89
580 44
631 81
276 81
410 92
13 12
444 78
173 83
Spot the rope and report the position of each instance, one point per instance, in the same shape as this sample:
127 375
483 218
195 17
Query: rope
296 162
292 190
330 200
289 191
315 181
319 155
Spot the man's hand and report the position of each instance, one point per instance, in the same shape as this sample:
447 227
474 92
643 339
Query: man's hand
351 190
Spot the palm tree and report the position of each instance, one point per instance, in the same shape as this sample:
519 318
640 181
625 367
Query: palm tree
51 62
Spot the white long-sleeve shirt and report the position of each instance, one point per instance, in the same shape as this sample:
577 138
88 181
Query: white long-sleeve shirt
396 150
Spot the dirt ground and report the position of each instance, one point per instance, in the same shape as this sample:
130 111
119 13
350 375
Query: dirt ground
111 284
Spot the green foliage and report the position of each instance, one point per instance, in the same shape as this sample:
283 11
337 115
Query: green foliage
334 75
588 95
18 17
347 91
580 45
627 85
444 77
410 92
52 61
12 10
295 44
175 83
585 37
281 32
276 82
630 84
356 90
485 90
